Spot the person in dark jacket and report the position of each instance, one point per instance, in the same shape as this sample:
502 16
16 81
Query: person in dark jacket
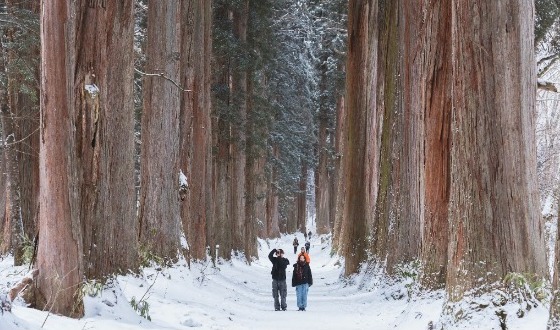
279 287
302 280
307 246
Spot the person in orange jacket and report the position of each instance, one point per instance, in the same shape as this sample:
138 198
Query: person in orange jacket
305 254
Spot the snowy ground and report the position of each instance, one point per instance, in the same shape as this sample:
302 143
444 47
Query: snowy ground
238 296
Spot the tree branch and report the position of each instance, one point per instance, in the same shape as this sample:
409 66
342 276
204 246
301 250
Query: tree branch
546 85
546 58
553 60
164 77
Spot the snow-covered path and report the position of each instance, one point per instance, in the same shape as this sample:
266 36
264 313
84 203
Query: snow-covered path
238 296
331 305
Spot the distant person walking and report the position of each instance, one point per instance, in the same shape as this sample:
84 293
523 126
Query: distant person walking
305 254
309 235
302 280
295 244
307 246
279 287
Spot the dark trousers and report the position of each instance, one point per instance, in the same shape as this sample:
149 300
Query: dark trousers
295 249
279 288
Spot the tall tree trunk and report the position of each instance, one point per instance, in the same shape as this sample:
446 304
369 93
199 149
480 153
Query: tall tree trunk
338 234
159 214
222 179
195 125
239 159
290 214
59 257
259 195
335 163
99 172
494 216
28 130
24 106
222 170
254 210
272 212
381 175
301 201
207 122
431 85
106 136
323 181
385 155
359 103
394 149
13 236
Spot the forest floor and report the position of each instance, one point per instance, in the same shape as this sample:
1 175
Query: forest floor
234 295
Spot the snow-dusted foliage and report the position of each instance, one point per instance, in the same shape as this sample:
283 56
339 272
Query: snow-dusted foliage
294 56
548 152
307 76
292 84
547 47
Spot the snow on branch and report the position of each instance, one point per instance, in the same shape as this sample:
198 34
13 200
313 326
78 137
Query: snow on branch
546 85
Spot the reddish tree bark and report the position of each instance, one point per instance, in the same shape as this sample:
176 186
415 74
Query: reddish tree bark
355 194
159 214
430 91
323 180
195 126
86 162
255 210
494 216
338 234
13 235
239 137
272 203
105 135
222 169
59 258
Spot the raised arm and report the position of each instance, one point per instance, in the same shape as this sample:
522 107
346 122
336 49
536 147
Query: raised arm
271 255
